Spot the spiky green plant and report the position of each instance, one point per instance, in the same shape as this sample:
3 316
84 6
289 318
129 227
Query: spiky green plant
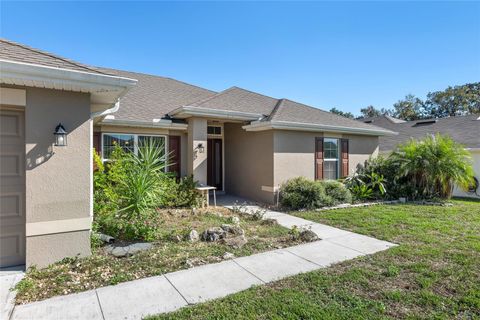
434 165
141 185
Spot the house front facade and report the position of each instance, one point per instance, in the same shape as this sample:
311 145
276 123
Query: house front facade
241 142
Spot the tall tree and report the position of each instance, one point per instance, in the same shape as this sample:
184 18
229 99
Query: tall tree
457 100
370 111
342 113
410 108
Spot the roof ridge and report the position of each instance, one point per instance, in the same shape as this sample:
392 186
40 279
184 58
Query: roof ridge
157 76
275 109
218 94
46 53
259 94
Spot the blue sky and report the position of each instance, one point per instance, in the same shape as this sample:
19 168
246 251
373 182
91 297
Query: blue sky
325 54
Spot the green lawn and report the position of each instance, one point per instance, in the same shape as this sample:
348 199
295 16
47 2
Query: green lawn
433 274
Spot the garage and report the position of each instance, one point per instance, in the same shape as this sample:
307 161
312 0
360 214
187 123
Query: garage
12 187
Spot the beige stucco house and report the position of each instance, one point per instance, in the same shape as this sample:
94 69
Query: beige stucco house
241 142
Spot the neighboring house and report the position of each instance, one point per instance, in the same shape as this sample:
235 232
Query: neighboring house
239 141
463 129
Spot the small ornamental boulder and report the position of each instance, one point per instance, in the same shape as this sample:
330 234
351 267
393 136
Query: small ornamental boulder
308 236
228 255
213 234
125 251
233 229
236 242
193 236
235 220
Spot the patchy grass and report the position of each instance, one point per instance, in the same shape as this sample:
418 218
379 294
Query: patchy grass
433 274
167 255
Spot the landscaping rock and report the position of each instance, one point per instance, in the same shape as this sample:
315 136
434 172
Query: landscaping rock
106 238
235 220
308 236
269 222
193 236
236 230
236 242
124 251
228 256
213 234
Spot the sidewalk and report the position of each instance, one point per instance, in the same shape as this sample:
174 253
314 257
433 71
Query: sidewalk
172 291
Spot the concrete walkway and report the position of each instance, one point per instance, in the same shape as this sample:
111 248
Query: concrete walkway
172 291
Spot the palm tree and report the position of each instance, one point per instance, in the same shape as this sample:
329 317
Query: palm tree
434 165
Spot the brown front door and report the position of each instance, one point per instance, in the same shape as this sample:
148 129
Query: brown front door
214 163
174 156
12 188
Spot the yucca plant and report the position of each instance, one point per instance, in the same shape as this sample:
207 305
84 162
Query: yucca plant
434 165
141 185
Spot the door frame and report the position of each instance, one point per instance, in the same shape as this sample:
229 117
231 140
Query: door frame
222 161
222 137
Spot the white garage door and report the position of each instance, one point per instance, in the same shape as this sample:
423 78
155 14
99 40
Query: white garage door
12 188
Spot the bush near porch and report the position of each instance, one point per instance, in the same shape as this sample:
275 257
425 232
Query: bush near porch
416 170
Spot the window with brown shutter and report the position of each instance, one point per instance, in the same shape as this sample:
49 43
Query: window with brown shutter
318 158
344 157
174 150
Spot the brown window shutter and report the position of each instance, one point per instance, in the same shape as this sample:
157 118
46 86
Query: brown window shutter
344 157
318 158
174 151
97 142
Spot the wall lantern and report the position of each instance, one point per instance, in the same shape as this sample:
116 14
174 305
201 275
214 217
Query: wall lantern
200 148
60 136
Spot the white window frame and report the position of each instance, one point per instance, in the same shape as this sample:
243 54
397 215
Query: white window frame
135 141
332 159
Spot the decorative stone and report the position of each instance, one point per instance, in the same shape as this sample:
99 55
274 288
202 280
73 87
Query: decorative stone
236 242
228 256
124 251
308 236
193 236
235 220
236 230
269 222
213 234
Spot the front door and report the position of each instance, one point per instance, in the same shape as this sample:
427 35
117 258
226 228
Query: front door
214 163
12 188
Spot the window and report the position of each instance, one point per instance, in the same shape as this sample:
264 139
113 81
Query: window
331 157
214 130
124 141
128 142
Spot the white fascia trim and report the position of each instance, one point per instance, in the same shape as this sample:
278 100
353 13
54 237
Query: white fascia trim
188 111
298 126
160 124
87 81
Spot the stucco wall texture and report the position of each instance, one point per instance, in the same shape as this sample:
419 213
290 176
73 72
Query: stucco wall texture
57 178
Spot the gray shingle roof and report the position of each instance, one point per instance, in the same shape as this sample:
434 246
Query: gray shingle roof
382 121
462 129
238 99
13 51
153 96
291 111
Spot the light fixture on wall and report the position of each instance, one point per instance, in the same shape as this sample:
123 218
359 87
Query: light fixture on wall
60 136
200 148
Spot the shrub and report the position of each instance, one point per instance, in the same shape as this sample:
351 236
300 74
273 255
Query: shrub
301 193
142 227
336 191
432 166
